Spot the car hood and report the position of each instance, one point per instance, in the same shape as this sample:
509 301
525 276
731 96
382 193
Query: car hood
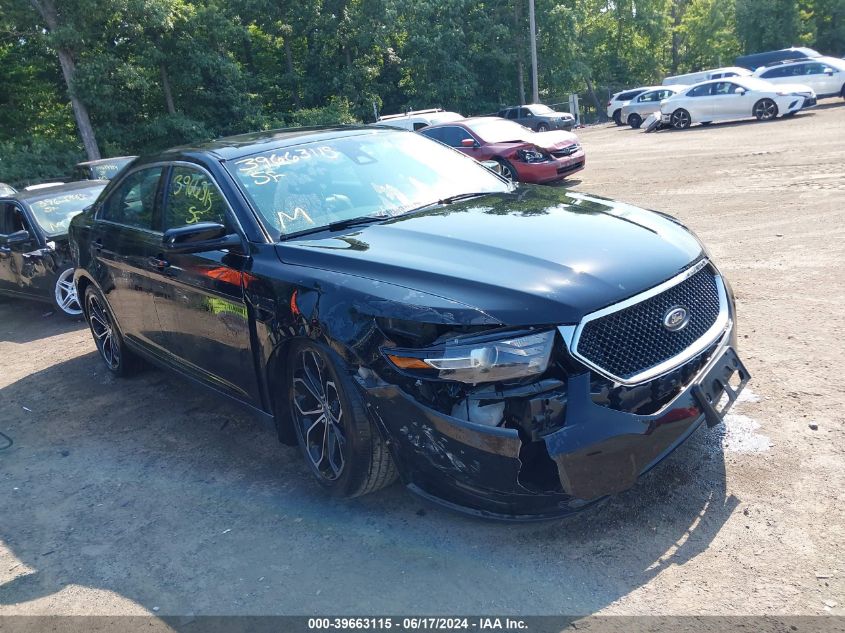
535 256
553 140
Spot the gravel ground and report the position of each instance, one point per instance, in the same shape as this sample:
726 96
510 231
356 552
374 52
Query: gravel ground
150 496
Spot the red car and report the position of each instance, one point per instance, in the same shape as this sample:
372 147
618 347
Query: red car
526 156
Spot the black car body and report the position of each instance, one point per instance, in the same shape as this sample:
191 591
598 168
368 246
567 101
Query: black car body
35 261
101 169
512 351
538 117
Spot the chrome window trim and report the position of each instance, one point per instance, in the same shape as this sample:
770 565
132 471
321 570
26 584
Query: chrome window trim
698 346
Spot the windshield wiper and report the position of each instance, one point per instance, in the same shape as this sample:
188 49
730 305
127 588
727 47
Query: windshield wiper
364 219
336 226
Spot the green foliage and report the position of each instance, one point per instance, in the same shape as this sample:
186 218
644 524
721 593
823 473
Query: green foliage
156 73
25 163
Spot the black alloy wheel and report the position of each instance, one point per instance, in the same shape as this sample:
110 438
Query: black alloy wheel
119 360
343 449
765 110
681 119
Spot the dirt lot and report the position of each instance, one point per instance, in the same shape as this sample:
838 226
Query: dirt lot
150 496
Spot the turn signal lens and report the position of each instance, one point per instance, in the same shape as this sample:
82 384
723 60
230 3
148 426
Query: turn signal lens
406 362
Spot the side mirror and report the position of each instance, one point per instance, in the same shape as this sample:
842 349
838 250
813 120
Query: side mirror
200 238
740 91
468 142
13 239
493 165
828 70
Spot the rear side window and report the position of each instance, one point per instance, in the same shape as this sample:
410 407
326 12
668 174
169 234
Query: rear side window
780 71
193 197
133 202
452 136
433 133
700 91
627 96
513 113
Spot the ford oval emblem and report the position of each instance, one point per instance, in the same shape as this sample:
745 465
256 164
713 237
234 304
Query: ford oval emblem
676 319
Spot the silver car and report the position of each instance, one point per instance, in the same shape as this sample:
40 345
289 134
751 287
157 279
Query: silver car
635 111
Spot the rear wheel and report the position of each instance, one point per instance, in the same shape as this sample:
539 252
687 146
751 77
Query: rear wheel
507 170
617 117
64 295
635 120
118 359
681 119
343 449
765 110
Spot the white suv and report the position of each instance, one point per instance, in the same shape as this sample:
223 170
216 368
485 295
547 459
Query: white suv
825 75
614 106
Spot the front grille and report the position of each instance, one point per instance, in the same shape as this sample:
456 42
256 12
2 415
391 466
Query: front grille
566 151
630 341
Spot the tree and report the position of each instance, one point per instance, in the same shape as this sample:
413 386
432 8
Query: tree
62 42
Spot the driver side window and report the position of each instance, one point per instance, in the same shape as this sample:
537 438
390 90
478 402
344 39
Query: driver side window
192 197
11 219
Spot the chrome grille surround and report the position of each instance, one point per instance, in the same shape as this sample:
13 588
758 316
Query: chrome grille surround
572 334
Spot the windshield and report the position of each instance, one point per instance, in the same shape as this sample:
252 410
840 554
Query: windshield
496 130
541 110
107 171
383 174
6 190
53 213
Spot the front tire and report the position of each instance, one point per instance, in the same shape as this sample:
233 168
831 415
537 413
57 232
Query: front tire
343 449
118 359
681 119
65 299
635 121
765 110
508 170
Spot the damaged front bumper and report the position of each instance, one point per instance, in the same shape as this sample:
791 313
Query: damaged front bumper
493 471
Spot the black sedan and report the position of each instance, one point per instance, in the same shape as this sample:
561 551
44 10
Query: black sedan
35 262
400 311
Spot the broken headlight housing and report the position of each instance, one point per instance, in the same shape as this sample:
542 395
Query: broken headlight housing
482 359
532 155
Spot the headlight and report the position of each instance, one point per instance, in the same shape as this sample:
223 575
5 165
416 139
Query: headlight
476 362
531 156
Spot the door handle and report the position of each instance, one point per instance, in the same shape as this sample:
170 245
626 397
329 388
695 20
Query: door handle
158 263
98 245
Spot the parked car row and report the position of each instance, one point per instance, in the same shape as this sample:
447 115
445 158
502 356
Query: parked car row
764 86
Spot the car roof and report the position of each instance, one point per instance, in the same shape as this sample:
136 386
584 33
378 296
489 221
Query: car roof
466 121
238 146
101 161
38 194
